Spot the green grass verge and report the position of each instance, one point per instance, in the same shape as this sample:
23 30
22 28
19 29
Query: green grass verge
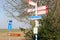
6 30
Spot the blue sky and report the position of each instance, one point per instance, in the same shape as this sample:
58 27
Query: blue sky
4 19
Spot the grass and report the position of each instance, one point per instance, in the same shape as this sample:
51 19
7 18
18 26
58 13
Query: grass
6 30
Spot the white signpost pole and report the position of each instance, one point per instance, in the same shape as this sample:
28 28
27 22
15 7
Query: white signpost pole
35 29
36 24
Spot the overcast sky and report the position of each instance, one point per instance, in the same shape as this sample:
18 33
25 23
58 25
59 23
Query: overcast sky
4 19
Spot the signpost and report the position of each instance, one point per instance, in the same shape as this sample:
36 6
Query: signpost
38 11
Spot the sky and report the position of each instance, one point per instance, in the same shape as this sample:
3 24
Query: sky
4 19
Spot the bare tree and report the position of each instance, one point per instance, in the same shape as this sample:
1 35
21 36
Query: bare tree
16 9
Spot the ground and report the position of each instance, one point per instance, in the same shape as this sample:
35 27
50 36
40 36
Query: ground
4 35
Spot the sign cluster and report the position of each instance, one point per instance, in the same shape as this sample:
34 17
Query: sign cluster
41 10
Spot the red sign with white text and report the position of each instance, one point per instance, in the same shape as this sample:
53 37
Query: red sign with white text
42 12
32 3
38 9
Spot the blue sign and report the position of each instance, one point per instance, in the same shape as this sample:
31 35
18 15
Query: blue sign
35 17
10 25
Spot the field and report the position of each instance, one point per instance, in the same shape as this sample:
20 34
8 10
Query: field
4 35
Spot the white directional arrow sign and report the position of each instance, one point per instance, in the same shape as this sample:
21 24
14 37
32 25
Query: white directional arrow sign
42 7
32 3
30 10
38 9
42 12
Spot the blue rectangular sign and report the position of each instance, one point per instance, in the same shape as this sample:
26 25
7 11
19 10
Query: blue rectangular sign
9 27
35 17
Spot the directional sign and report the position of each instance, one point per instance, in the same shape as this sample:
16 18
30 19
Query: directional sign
42 12
30 10
38 9
42 7
32 3
35 17
10 25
